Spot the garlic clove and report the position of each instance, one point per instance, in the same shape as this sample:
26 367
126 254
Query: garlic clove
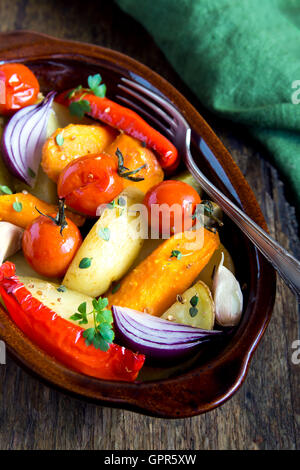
227 295
10 240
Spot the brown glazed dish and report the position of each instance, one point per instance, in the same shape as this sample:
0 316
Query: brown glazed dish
215 375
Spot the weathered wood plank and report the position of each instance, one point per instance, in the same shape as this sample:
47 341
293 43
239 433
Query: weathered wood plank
265 413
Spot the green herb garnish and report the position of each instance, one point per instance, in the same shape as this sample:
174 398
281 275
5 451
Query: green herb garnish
98 88
104 233
61 289
102 334
124 172
176 254
82 106
59 139
17 206
5 189
194 301
74 91
79 108
85 263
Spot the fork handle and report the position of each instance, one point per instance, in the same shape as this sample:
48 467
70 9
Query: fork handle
285 264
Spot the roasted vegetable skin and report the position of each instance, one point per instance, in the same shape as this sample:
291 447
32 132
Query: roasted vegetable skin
62 339
153 285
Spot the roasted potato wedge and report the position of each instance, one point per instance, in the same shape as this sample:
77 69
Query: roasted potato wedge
111 245
77 140
61 300
199 298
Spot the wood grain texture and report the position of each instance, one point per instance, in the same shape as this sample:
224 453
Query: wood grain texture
265 413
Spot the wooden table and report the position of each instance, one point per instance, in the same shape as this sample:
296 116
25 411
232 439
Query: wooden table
265 413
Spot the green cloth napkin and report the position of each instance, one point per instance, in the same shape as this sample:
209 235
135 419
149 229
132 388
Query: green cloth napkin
241 58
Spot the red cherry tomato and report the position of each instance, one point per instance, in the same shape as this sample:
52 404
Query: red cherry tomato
48 247
18 88
90 181
171 205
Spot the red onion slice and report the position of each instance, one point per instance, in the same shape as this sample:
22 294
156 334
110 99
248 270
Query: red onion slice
23 139
157 338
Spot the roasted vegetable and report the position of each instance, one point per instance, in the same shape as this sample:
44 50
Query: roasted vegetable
136 156
65 145
61 339
58 298
126 120
157 338
109 249
194 307
20 209
187 177
228 296
10 240
154 284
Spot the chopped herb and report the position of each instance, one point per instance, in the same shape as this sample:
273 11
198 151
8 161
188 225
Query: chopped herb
85 263
79 108
59 139
193 311
143 144
176 254
115 288
194 301
31 173
102 334
5 189
17 206
104 233
61 289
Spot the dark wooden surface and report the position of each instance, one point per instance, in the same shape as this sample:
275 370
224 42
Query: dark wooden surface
265 412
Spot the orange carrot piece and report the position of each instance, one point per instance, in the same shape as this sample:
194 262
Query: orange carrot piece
20 209
135 156
153 285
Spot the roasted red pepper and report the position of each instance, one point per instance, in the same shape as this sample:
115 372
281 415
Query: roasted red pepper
128 121
61 338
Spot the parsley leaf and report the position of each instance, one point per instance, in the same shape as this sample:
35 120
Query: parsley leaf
79 108
102 334
98 88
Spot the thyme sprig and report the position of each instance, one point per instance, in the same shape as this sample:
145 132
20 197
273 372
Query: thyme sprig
124 172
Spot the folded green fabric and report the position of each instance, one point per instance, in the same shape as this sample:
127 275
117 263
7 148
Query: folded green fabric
242 59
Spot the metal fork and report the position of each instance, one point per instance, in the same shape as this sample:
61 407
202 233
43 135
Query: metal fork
174 126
